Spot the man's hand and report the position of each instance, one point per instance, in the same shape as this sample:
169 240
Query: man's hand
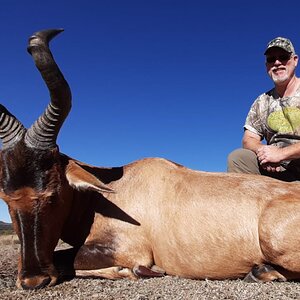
270 158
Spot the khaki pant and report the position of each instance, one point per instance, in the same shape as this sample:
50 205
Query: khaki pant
245 161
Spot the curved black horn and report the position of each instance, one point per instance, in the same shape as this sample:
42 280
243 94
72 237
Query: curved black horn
11 129
43 133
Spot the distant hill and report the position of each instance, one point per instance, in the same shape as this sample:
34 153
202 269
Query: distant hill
4 224
6 228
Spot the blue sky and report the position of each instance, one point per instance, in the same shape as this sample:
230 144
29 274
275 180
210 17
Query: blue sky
168 78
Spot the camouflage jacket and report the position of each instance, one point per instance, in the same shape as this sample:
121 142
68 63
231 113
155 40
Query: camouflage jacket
275 119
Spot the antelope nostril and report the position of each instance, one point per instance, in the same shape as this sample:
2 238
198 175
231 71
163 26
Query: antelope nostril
36 282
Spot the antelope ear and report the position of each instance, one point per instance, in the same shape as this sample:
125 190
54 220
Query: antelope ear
83 180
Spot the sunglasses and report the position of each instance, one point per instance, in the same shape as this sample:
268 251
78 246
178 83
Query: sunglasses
281 58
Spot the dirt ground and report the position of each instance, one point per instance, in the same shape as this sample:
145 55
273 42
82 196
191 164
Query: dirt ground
156 288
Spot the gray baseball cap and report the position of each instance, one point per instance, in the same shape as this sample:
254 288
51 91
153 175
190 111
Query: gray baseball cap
282 43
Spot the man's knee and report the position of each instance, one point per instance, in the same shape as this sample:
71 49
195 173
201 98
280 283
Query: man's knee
242 161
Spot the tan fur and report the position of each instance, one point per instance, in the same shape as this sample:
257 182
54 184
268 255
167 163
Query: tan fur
200 225
108 273
83 180
187 223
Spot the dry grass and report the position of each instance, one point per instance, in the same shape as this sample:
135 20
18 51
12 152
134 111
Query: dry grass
9 240
157 288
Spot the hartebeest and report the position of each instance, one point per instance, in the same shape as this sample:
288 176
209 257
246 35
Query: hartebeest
144 219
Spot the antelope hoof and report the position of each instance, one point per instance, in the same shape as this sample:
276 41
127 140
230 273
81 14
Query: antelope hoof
264 273
145 272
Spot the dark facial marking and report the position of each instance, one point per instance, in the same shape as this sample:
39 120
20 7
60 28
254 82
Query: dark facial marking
26 167
28 225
